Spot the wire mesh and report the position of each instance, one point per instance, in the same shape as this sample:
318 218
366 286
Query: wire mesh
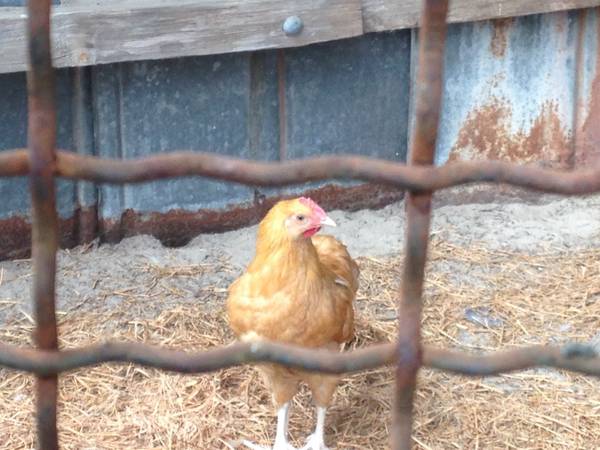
43 163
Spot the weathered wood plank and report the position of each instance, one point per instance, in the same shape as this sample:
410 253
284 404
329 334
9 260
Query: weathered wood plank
382 15
12 40
86 35
87 32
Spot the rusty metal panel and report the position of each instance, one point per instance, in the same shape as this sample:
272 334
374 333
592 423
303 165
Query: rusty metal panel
587 114
349 96
13 134
341 97
226 104
15 207
509 91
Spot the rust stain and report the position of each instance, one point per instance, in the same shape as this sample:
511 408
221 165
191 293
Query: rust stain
15 233
588 137
486 134
499 40
15 238
495 80
177 227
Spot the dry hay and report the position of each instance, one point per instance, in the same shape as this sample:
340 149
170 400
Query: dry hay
552 297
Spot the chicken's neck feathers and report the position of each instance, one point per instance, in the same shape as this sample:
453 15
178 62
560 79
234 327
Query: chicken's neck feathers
287 262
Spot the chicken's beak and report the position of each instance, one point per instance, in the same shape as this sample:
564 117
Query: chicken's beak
328 221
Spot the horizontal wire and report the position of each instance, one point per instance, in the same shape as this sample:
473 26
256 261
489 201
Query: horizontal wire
574 357
69 165
185 163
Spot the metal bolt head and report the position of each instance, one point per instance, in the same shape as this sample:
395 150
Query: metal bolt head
292 26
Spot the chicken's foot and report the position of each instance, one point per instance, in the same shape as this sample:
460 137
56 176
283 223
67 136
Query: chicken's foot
281 442
316 441
282 446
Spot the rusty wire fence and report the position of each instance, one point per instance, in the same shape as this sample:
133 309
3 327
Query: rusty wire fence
43 163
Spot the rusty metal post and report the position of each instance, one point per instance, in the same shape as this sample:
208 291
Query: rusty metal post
428 93
42 139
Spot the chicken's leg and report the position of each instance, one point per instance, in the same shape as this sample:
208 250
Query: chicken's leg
316 441
281 442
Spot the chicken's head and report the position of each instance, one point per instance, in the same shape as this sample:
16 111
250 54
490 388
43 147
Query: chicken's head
300 218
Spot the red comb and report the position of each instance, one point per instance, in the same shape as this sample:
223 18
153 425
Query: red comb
313 205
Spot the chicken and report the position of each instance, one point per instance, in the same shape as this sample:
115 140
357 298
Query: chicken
299 289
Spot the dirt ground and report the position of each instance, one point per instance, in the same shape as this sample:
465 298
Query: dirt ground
482 254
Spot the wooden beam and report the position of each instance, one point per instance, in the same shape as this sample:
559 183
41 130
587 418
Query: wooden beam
87 32
130 31
13 52
384 15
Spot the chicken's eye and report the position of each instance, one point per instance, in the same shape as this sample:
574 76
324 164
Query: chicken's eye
300 217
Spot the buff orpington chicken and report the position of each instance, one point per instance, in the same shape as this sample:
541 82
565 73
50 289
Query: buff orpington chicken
299 289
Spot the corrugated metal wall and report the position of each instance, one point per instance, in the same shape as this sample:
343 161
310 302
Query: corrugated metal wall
510 90
521 89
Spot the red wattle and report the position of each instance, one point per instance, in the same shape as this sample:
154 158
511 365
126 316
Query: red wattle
311 232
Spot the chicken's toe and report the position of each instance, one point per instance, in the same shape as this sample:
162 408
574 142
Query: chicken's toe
315 442
254 446
283 445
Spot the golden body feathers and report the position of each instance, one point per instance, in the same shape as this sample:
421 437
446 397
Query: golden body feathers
299 289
